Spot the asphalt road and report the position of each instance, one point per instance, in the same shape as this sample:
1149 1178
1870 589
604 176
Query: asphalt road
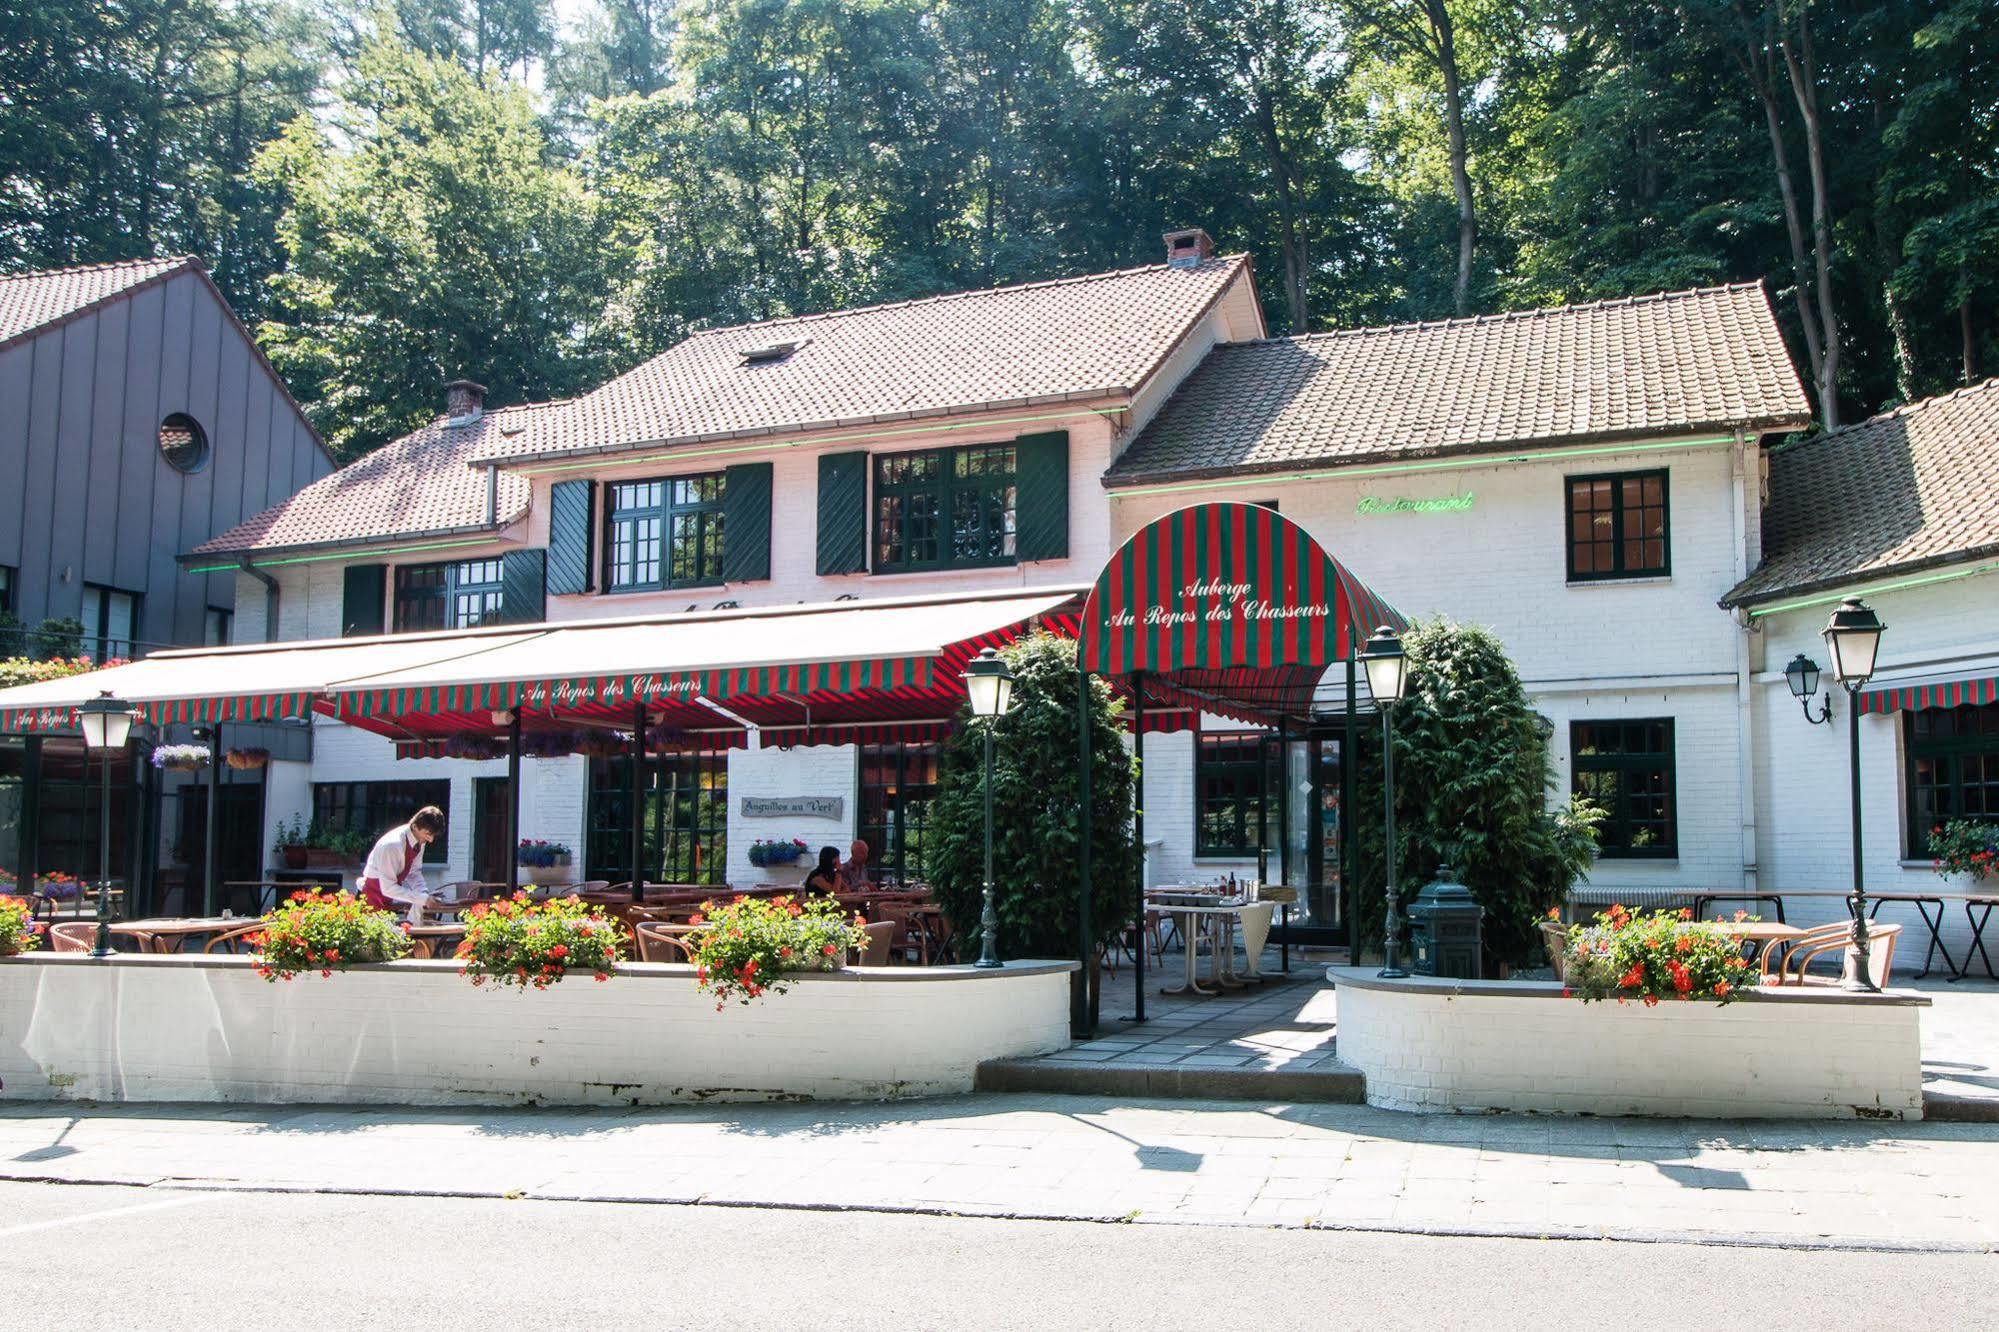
224 1260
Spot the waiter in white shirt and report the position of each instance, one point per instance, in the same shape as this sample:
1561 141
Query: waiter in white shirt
394 872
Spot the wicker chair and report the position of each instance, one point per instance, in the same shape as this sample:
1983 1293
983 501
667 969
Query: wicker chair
236 940
1836 941
72 936
658 942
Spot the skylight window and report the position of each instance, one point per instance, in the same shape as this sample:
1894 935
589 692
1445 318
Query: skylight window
771 351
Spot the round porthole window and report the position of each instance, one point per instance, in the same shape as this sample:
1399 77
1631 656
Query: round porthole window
183 443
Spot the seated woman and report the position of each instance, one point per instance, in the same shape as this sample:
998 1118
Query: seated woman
824 877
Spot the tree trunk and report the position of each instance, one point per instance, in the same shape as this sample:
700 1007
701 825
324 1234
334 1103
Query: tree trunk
1290 222
1967 344
1445 33
1798 61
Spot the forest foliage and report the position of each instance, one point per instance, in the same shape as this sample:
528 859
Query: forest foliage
539 194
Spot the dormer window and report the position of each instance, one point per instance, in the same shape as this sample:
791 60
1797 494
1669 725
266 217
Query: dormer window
771 351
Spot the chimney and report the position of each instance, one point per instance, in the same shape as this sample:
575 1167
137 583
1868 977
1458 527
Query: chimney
463 401
1188 248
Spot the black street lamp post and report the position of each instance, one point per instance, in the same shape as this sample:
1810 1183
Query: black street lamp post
1853 638
1387 677
107 724
989 686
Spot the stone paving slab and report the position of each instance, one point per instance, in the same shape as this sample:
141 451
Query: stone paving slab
1821 1184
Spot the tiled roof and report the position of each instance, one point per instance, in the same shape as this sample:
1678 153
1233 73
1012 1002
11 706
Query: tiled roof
1905 490
1038 342
29 301
419 485
1674 363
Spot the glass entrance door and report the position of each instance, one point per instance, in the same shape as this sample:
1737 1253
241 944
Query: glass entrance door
1312 836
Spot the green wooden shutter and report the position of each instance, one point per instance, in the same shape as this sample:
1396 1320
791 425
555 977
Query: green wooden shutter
523 587
571 514
363 600
746 523
843 513
1041 496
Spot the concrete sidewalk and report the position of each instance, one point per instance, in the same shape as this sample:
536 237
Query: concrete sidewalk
1905 1186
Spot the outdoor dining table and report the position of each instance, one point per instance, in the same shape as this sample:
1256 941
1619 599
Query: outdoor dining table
426 938
1228 914
167 934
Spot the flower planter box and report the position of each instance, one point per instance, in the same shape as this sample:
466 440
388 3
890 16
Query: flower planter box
542 875
1799 1052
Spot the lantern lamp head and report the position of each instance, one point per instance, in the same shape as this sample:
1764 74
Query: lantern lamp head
988 684
106 722
1387 667
1853 637
1803 676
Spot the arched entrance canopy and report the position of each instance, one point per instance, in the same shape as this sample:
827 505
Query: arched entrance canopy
1226 608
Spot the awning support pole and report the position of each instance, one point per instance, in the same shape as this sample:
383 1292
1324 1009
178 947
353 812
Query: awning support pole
1138 836
514 803
1349 849
1082 1009
212 812
1284 829
638 795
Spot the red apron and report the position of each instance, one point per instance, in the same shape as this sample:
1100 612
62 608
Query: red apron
371 889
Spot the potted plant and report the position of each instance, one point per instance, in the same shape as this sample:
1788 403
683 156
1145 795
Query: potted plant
519 941
476 747
181 758
18 931
321 846
543 862
753 945
247 760
59 887
1664 955
1967 847
604 744
290 844
774 852
326 932
549 744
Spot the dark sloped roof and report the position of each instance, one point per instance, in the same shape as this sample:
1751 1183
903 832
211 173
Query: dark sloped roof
29 301
1101 334
419 485
1674 363
1906 490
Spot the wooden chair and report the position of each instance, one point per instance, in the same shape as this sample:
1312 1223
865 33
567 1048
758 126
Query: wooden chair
1834 940
1555 937
659 942
235 940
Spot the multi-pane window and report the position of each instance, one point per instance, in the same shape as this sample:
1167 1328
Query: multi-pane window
1627 768
1618 526
684 819
1953 759
944 508
110 622
898 784
460 595
1228 794
664 533
376 807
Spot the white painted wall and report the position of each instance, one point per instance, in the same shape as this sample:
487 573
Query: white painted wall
1520 1045
815 770
193 1028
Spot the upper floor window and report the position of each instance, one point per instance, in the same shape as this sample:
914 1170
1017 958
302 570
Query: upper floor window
183 443
945 508
1953 768
1627 768
662 534
459 595
110 622
1618 526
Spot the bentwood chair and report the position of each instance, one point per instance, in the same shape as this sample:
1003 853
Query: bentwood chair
236 940
1834 941
659 942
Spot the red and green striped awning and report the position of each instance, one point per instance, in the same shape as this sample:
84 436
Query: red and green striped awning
170 712
1940 694
1234 604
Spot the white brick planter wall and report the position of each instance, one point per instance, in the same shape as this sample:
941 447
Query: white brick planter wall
415 1033
1474 1046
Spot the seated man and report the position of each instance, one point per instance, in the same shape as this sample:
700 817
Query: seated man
852 876
394 872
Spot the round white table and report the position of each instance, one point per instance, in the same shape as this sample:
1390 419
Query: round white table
1252 915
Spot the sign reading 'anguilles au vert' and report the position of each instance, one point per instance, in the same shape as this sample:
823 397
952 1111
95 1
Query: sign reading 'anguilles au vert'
1223 586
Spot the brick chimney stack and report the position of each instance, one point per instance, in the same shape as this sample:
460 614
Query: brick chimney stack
1188 248
463 401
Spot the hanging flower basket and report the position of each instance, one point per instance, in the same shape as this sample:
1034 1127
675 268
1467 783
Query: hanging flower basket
247 760
549 744
604 744
182 758
477 747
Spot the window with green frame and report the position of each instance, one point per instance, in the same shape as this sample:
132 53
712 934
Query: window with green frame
1618 526
663 534
1953 768
1627 768
685 819
1228 794
898 783
376 807
459 595
944 508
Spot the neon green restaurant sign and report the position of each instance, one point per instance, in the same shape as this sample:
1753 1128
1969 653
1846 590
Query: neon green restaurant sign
1403 504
